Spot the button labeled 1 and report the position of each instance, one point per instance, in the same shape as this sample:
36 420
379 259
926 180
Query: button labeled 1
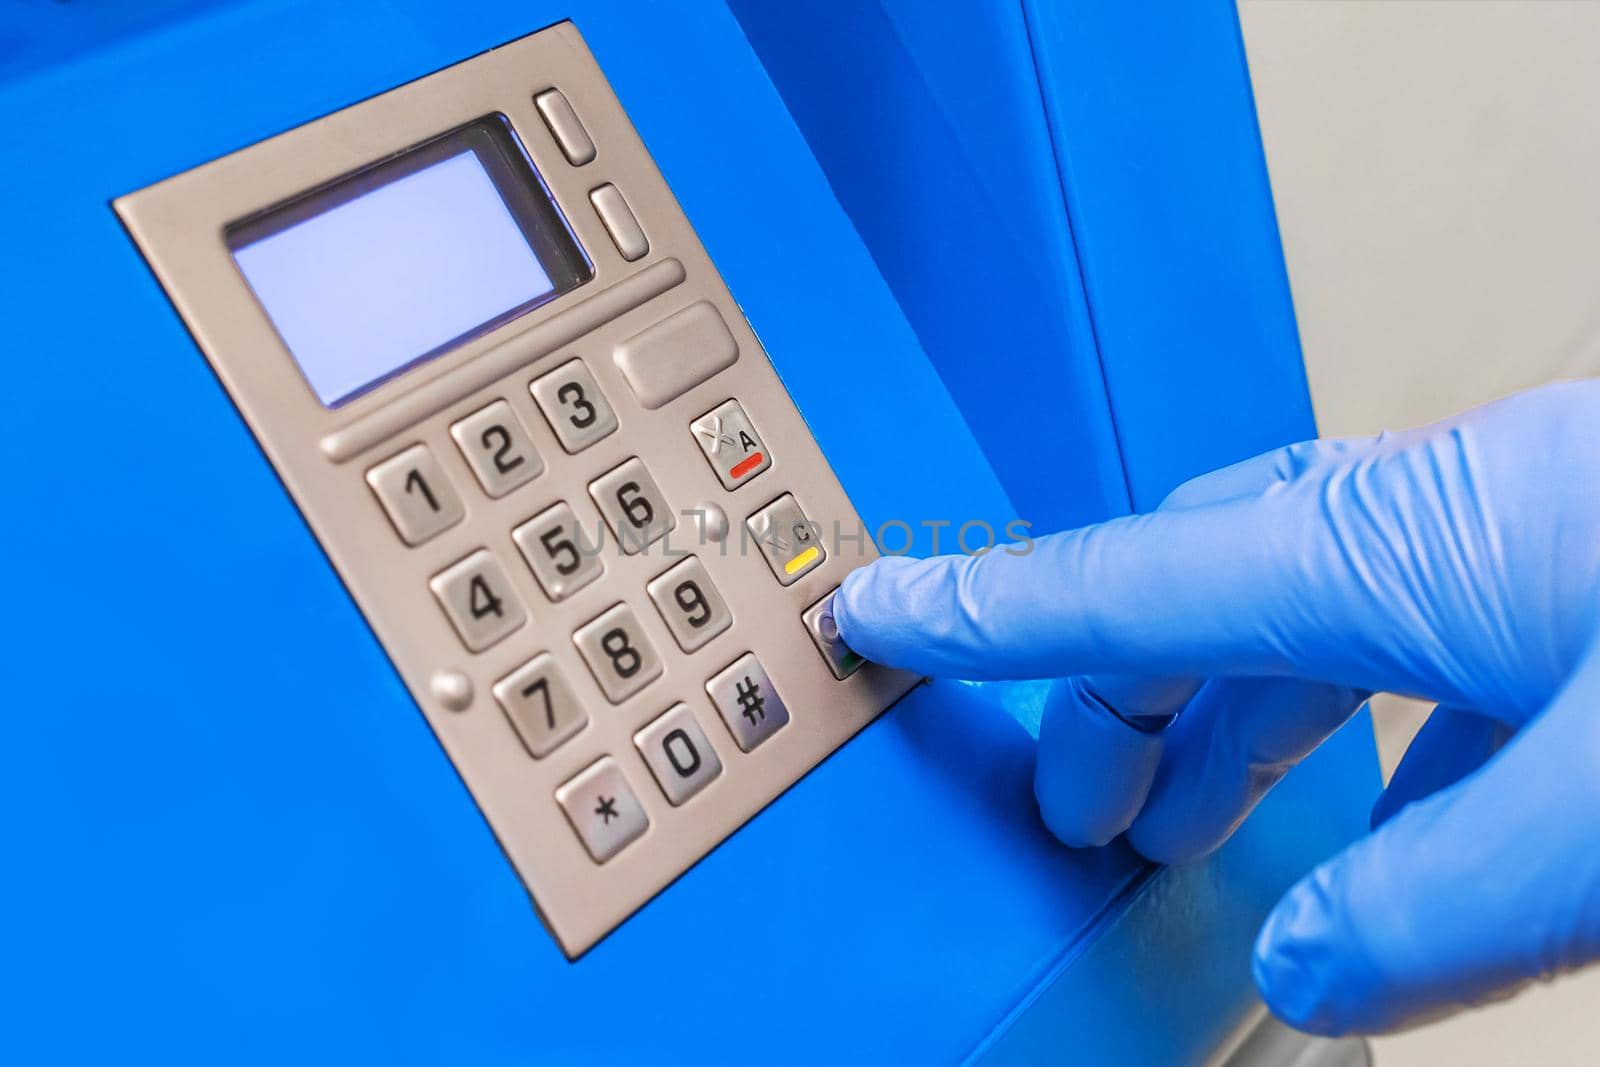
743 695
416 495
787 539
541 705
574 406
603 809
689 604
678 754
731 445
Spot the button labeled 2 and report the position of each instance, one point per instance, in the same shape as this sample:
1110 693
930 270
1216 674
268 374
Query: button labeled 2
497 448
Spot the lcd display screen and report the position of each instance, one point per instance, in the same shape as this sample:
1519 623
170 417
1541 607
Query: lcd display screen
409 258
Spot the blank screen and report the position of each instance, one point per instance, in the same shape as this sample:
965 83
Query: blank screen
404 269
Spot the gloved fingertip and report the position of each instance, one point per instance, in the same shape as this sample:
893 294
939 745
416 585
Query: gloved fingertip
1297 963
861 596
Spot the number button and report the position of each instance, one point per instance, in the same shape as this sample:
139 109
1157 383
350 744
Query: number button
540 704
416 495
617 651
497 448
574 406
743 695
479 600
689 604
678 754
787 539
561 555
603 809
633 506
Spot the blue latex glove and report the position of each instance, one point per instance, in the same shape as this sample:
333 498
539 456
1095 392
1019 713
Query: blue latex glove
1258 606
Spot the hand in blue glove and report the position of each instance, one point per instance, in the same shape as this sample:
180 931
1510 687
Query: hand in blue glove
1210 645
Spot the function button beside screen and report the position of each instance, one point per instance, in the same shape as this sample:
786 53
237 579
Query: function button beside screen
574 406
497 448
678 754
743 695
730 444
479 600
620 221
818 620
559 552
689 604
603 808
565 127
541 705
788 540
676 354
416 495
618 652
633 506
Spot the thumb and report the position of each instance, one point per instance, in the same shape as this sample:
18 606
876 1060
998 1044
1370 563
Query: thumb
1461 896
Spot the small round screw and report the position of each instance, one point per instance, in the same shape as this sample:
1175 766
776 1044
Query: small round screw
453 689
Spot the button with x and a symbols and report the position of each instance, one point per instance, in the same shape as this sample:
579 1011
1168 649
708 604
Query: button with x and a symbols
603 809
731 444
747 702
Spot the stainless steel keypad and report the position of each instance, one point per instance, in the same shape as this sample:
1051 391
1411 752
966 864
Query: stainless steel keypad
542 707
574 406
497 448
416 495
616 714
689 604
619 653
563 556
678 754
633 505
480 600
603 809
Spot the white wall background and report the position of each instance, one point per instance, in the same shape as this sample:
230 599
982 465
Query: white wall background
1436 167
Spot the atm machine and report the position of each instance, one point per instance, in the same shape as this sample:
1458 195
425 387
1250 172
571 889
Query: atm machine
342 333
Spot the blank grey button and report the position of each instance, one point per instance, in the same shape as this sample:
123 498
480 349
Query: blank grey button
787 539
497 448
540 704
818 620
633 506
563 556
617 651
565 127
574 406
743 695
619 221
689 604
416 495
603 808
479 600
676 354
678 754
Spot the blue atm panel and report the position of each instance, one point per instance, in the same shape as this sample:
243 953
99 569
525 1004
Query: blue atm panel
235 837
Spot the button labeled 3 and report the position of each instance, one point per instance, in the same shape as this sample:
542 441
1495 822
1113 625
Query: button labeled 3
615 648
416 495
689 604
603 809
497 448
678 754
633 506
574 406
731 445
743 695
479 600
787 539
540 704
558 551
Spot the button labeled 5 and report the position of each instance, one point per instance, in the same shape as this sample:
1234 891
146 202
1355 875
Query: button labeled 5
497 448
573 404
416 495
557 551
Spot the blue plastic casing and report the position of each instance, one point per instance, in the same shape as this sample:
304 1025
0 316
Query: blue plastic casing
231 834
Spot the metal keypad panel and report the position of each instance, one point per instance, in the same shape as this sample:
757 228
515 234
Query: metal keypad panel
521 519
